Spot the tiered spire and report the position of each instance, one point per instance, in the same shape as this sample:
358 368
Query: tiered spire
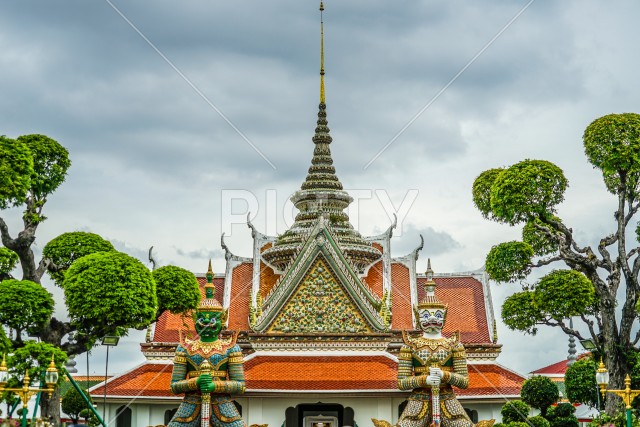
321 194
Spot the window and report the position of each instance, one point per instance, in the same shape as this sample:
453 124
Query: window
473 415
168 414
401 407
238 407
123 417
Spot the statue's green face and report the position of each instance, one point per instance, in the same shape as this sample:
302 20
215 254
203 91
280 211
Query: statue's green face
208 324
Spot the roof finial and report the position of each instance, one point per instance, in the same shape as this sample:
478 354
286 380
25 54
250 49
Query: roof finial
322 99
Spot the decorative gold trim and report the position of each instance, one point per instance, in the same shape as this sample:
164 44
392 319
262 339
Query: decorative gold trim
209 348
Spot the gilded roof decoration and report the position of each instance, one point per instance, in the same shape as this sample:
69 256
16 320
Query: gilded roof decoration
321 242
320 304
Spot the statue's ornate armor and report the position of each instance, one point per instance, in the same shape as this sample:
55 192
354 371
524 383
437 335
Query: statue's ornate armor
416 357
226 358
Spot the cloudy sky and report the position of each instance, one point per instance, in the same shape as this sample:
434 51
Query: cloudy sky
182 116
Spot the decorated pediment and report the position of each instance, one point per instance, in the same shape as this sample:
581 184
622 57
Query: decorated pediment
320 292
320 304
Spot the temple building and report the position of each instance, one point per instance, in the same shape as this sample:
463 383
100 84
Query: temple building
319 312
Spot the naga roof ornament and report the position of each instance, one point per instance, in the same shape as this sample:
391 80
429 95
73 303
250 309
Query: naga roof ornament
321 194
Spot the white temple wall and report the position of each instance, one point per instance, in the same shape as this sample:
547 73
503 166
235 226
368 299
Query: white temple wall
271 410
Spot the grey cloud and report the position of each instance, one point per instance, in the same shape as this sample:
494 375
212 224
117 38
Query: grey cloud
435 242
202 253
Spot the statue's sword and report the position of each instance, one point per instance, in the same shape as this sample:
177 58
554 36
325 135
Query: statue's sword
435 397
205 411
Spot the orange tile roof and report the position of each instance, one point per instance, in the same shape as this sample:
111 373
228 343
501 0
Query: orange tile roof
267 279
467 312
401 297
492 380
146 380
240 297
313 373
374 278
464 294
320 373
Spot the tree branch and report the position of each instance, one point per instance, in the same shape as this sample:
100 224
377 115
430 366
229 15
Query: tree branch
7 240
546 261
633 209
589 323
559 324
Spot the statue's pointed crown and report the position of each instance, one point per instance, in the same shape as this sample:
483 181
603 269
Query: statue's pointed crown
208 302
430 301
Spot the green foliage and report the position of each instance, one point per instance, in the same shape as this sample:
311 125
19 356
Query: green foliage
36 357
10 397
518 424
109 291
25 305
542 242
527 190
68 247
538 421
562 415
619 419
539 392
515 411
558 295
482 191
580 382
5 343
612 144
177 289
50 163
510 261
565 293
16 168
91 419
8 260
520 312
73 404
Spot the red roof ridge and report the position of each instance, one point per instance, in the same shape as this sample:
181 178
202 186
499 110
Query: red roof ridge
557 368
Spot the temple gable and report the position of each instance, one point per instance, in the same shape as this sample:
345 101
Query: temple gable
299 291
320 304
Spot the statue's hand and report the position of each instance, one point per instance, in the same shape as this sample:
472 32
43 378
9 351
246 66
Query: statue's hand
433 380
436 371
205 383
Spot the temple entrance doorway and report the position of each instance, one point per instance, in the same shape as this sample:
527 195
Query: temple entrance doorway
319 415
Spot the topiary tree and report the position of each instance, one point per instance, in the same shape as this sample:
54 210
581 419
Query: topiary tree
593 279
580 382
177 289
539 392
515 410
108 292
62 251
90 418
562 415
538 421
24 307
73 404
32 167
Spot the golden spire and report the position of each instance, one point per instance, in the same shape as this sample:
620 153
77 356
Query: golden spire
322 100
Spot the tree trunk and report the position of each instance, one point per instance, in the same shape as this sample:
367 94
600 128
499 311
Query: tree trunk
50 407
614 357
